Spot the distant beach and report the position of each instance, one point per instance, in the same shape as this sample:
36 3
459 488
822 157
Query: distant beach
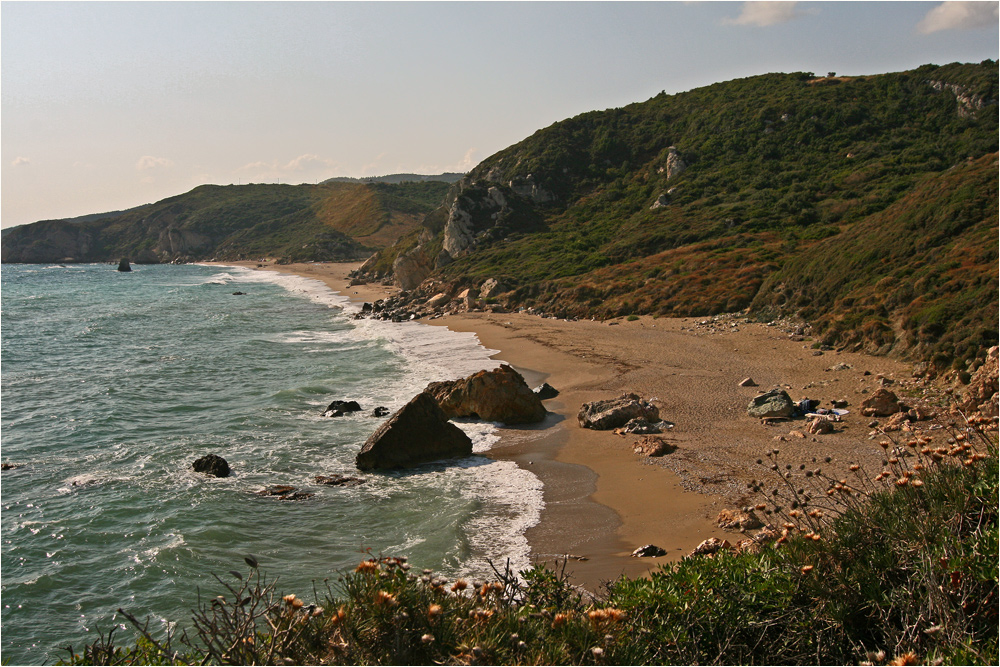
601 499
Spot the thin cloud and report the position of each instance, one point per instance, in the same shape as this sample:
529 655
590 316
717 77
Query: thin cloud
763 14
150 162
20 161
960 16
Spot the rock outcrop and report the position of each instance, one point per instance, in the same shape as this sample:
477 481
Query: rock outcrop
411 268
418 433
981 395
616 412
213 465
649 551
124 266
499 395
774 404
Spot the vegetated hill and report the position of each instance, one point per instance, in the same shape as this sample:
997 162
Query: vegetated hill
332 221
827 198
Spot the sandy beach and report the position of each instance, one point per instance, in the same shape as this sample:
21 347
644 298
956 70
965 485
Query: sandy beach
601 499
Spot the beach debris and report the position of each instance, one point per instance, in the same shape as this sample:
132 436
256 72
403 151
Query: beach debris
737 520
419 432
123 265
774 404
499 395
338 480
840 367
640 426
649 551
546 391
616 412
652 446
338 408
747 382
380 411
213 465
882 403
710 546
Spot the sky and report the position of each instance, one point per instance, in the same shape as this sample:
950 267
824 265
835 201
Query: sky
106 106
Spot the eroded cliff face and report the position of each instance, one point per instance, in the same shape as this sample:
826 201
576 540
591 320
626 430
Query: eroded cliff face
485 212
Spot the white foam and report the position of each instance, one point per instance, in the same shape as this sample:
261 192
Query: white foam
510 497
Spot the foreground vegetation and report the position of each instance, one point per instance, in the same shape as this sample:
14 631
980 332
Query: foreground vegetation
898 567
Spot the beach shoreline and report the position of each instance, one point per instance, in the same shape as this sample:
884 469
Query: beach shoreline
601 499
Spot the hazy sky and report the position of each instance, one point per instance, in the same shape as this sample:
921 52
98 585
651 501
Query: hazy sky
111 105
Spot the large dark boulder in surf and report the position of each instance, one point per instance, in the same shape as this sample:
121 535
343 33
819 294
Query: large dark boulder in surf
338 408
213 465
616 412
123 265
499 395
419 432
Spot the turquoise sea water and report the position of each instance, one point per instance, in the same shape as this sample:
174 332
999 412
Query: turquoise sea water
113 384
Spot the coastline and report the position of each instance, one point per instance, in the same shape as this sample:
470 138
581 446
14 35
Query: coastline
602 500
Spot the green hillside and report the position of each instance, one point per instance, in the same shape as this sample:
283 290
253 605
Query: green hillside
330 221
785 193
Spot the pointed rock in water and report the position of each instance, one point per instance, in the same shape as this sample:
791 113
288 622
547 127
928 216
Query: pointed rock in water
546 391
500 395
419 432
123 265
212 465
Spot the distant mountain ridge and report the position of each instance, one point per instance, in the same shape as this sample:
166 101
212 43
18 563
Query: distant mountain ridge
447 177
329 221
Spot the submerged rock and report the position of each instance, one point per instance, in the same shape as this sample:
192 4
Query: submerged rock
211 464
338 480
775 404
124 266
419 432
499 395
616 412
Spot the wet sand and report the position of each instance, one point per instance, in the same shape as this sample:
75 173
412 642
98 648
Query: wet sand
601 499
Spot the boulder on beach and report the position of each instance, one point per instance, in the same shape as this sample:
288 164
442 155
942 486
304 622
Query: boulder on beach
881 403
616 412
748 382
640 426
652 446
213 465
419 432
499 395
774 404
649 551
737 520
710 546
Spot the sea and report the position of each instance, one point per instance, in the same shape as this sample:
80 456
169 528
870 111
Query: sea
113 384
